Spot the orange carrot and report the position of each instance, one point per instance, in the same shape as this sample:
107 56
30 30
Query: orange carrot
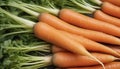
111 9
93 35
112 65
106 18
50 34
91 45
67 59
83 21
115 48
115 2
56 49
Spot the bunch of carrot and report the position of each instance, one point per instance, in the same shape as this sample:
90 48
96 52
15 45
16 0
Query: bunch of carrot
78 40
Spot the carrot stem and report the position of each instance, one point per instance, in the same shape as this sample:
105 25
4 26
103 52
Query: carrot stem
13 33
83 6
27 23
98 2
88 4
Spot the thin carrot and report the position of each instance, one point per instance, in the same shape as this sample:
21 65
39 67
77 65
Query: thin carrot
91 45
67 59
83 21
108 7
115 2
93 35
115 48
113 65
106 18
50 34
111 9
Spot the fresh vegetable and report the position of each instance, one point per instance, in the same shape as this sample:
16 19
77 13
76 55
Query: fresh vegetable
58 59
67 59
61 25
91 45
106 18
41 30
95 12
113 65
112 10
19 30
88 23
108 8
79 20
116 2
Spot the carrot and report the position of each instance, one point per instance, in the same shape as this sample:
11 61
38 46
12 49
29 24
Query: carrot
41 30
113 65
67 59
111 9
83 21
115 48
101 26
99 15
93 35
56 49
108 7
91 45
115 2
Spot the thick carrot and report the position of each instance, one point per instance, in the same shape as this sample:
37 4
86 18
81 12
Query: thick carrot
111 9
50 34
67 59
93 35
106 18
83 21
112 65
115 2
91 45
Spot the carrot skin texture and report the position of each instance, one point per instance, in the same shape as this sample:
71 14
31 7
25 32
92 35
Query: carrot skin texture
93 35
99 15
56 49
111 9
86 22
112 65
50 34
115 2
91 45
115 48
67 59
